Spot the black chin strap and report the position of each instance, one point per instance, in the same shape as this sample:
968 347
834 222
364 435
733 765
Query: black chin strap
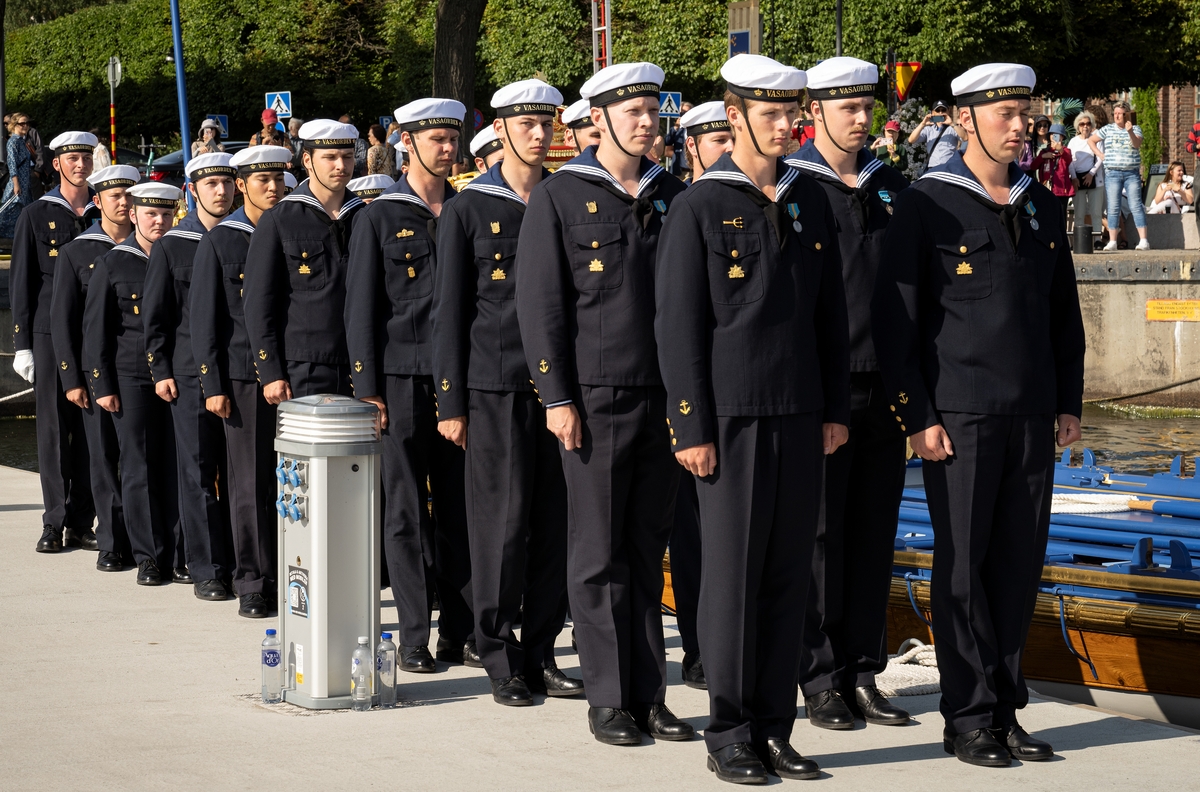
196 193
979 137
313 172
416 150
612 134
511 148
825 124
749 128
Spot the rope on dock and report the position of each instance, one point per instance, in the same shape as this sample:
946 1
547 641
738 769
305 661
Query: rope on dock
1072 503
911 672
25 392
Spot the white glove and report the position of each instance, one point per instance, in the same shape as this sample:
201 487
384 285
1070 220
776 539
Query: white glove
23 364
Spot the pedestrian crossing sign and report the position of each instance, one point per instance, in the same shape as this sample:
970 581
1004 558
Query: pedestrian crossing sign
280 102
668 103
222 121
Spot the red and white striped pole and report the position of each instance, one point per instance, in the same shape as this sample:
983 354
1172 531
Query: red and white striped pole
112 129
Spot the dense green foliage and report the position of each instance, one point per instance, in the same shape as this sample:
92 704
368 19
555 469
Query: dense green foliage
1145 104
364 57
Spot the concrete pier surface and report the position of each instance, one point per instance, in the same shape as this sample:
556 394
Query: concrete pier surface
109 686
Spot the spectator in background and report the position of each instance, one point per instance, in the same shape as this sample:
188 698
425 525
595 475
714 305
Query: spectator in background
379 158
1122 160
1174 195
936 133
101 156
1041 135
1052 165
676 144
1088 173
360 151
208 140
271 136
802 129
888 147
269 119
20 173
295 144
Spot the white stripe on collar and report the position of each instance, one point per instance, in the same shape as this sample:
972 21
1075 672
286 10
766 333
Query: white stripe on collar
239 225
405 198
865 174
816 167
1014 192
591 170
192 235
315 204
96 237
134 249
781 186
56 199
494 189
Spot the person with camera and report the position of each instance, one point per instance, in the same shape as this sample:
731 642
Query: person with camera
1052 165
1174 195
937 134
1122 160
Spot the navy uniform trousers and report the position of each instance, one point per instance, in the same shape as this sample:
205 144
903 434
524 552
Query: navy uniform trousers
308 379
845 629
990 509
420 548
62 445
250 488
517 524
685 562
621 503
148 478
204 518
104 454
758 519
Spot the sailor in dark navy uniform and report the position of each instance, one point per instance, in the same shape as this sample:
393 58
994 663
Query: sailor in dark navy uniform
980 340
76 263
707 138
487 149
225 360
43 227
752 340
296 273
389 291
368 188
585 302
199 439
114 357
516 495
580 132
846 624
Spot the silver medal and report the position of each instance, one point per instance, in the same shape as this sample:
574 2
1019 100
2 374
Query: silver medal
796 225
1033 224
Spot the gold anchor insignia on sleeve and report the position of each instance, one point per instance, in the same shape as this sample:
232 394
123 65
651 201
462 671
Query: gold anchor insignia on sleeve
736 272
149 357
498 274
262 354
63 365
903 398
685 407
964 269
495 227
95 373
591 207
445 384
543 365
358 365
596 266
735 222
203 368
305 269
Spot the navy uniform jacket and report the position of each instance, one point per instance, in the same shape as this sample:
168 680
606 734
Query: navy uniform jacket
862 214
219 341
751 311
76 265
166 309
476 338
42 229
585 286
114 335
389 289
975 306
296 283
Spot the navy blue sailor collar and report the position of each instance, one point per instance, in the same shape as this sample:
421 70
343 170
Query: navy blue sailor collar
587 166
955 171
189 227
403 191
302 194
238 220
55 197
96 233
812 162
491 182
725 170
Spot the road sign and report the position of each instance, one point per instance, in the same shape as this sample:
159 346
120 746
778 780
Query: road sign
114 71
280 102
668 103
384 121
223 121
906 75
739 42
478 118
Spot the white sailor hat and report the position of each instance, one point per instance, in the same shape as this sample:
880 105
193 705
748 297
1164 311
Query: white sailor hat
993 82
216 163
622 81
74 141
525 97
703 118
114 176
324 133
762 78
289 181
485 142
401 148
370 186
431 114
578 115
842 78
155 194
261 158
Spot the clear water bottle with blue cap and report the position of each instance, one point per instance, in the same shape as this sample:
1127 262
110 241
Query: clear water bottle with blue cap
362 675
272 670
385 667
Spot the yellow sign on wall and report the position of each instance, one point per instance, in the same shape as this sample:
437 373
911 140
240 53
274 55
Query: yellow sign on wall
1173 310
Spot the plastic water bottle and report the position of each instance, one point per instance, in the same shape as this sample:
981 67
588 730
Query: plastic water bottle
385 666
362 674
272 670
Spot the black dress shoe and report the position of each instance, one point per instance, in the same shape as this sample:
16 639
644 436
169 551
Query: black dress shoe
511 692
661 724
148 574
416 660
253 606
613 726
83 538
737 764
1021 746
976 747
787 762
51 541
828 710
554 683
109 562
874 707
470 657
212 590
449 650
693 671
181 575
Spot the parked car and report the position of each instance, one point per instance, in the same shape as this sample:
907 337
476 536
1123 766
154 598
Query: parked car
169 167
130 157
